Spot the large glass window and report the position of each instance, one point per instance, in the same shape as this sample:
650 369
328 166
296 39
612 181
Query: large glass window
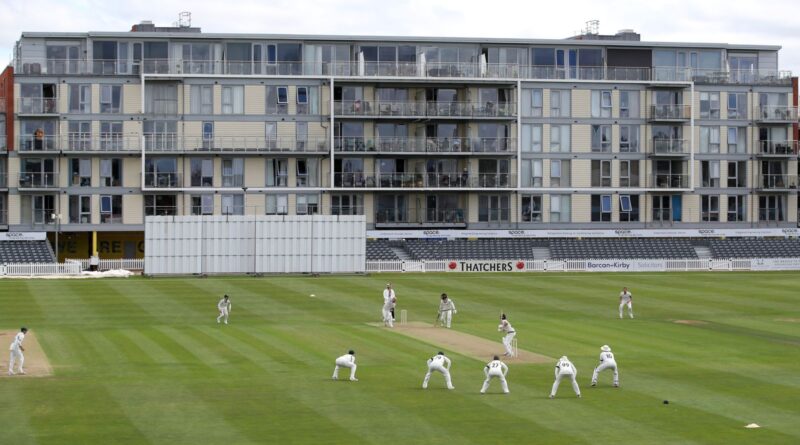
233 99
277 204
560 138
629 173
202 99
110 172
736 208
277 99
532 138
161 172
80 98
160 135
531 209
81 172
601 138
80 209
233 172
202 172
202 204
560 103
628 208
233 204
347 204
709 139
629 105
160 205
110 209
559 173
737 105
80 135
601 173
601 103
709 208
560 208
629 138
111 136
601 208
307 174
709 173
737 174
737 140
772 208
493 208
307 204
161 98
110 98
709 105
277 172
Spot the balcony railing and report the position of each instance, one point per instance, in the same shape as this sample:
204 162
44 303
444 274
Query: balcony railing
769 113
669 147
37 105
162 180
38 180
777 148
424 180
669 180
669 113
172 142
424 109
426 145
422 216
777 182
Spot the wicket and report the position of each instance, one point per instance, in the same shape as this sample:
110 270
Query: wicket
403 317
514 347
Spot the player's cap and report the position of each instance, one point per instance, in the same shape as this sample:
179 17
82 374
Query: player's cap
496 357
605 348
564 357
23 329
440 353
351 352
388 284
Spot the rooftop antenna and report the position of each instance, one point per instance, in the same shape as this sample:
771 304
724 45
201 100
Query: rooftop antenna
184 19
592 28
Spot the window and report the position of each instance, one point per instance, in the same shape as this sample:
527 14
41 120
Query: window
233 99
601 173
111 136
709 173
737 174
629 173
233 204
709 208
160 135
301 136
208 135
161 99
560 206
601 138
629 138
601 104
277 172
277 100
302 100
197 58
559 173
737 105
307 174
771 208
307 204
532 138
736 208
160 205
628 208
601 208
347 205
110 209
283 95
202 204
233 172
709 139
80 98
110 98
662 208
493 208
110 172
80 209
709 105
80 135
532 173
202 171
560 103
81 172
271 135
161 172
531 210
629 105
737 140
536 102
560 138
277 204
202 99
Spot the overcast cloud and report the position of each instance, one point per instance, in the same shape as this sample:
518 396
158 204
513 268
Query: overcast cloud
731 21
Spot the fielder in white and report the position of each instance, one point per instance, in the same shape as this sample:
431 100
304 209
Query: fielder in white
446 310
16 352
388 302
506 327
390 294
441 364
495 369
224 307
346 361
565 369
606 362
625 299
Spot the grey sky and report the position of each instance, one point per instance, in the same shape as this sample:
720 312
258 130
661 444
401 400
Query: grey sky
723 21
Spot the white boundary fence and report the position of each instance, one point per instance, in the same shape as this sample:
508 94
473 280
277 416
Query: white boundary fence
127 264
39 269
603 265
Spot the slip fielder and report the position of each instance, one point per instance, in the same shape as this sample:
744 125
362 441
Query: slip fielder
438 363
495 369
565 369
346 361
607 361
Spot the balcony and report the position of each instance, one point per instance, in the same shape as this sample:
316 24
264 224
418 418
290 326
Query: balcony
426 145
427 216
170 142
162 180
777 183
669 113
46 180
424 180
676 148
37 106
722 77
669 181
368 109
777 114
778 149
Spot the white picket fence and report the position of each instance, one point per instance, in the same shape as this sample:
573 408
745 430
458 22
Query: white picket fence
129 264
40 269
600 265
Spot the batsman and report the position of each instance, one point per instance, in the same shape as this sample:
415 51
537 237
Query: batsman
447 308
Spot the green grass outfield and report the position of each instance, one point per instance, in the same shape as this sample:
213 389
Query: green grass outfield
141 361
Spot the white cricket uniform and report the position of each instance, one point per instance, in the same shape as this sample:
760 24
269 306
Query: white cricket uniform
626 299
345 361
495 369
606 362
441 364
16 353
389 293
387 309
506 327
446 310
565 369
224 309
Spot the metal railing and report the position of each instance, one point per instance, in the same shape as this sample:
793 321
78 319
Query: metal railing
426 145
424 109
37 105
772 113
37 180
422 215
162 180
669 180
669 112
39 143
669 147
424 180
777 148
777 182
247 144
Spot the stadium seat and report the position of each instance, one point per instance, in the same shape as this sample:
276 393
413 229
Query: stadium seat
754 248
26 252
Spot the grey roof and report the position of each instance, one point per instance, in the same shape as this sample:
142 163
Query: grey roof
399 39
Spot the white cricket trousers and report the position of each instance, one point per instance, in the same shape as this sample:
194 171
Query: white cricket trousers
438 368
223 313
569 376
446 317
602 367
388 320
507 343
16 355
495 374
345 364
630 308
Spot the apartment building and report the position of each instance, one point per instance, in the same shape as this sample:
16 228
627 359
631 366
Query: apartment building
412 132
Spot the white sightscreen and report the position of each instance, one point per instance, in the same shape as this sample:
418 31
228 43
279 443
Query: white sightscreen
254 244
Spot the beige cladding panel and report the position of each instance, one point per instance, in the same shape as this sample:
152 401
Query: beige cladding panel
192 132
472 207
615 103
239 129
369 207
287 130
255 204
217 98
131 99
13 164
292 98
581 173
255 99
791 208
325 100
615 138
582 138
581 103
255 172
14 209
95 98
132 209
131 172
581 208
691 208
546 102
62 95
